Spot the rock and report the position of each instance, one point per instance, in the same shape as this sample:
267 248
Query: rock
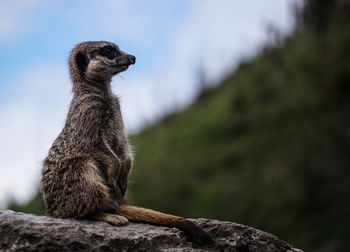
28 232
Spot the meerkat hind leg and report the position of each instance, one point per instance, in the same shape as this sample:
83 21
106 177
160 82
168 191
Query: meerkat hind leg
114 219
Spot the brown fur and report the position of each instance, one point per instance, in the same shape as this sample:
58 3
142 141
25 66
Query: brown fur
143 215
85 173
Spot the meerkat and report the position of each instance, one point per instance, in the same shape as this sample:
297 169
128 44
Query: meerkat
85 174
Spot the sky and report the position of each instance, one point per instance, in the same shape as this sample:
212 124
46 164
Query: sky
172 42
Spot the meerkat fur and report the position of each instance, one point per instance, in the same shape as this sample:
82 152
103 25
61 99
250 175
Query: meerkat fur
85 174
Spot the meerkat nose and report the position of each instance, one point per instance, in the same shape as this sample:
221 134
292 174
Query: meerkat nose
132 59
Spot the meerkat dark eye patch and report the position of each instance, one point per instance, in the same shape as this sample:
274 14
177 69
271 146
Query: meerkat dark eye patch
110 52
108 48
82 61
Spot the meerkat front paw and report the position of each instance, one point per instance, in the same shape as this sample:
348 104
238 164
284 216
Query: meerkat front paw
117 220
114 219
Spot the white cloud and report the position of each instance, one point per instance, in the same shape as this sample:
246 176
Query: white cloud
218 33
142 100
29 124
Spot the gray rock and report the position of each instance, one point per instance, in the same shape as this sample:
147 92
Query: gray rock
27 232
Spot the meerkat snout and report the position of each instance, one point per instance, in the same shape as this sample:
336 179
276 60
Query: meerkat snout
132 59
125 60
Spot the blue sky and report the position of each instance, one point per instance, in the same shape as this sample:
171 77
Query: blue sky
56 27
171 40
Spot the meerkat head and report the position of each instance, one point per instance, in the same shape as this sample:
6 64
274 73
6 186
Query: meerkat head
98 61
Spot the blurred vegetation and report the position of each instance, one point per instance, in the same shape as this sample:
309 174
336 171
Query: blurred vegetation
35 205
269 147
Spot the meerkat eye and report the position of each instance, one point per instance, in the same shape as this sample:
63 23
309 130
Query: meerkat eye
109 52
107 49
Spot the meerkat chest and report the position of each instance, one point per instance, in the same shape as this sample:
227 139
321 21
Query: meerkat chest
113 127
113 118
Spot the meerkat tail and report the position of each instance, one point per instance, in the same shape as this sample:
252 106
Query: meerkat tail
143 215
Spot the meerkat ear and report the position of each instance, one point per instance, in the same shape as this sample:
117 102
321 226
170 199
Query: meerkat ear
82 61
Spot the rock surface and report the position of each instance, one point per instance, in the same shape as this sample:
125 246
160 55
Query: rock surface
27 232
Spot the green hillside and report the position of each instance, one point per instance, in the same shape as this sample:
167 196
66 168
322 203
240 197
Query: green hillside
270 147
